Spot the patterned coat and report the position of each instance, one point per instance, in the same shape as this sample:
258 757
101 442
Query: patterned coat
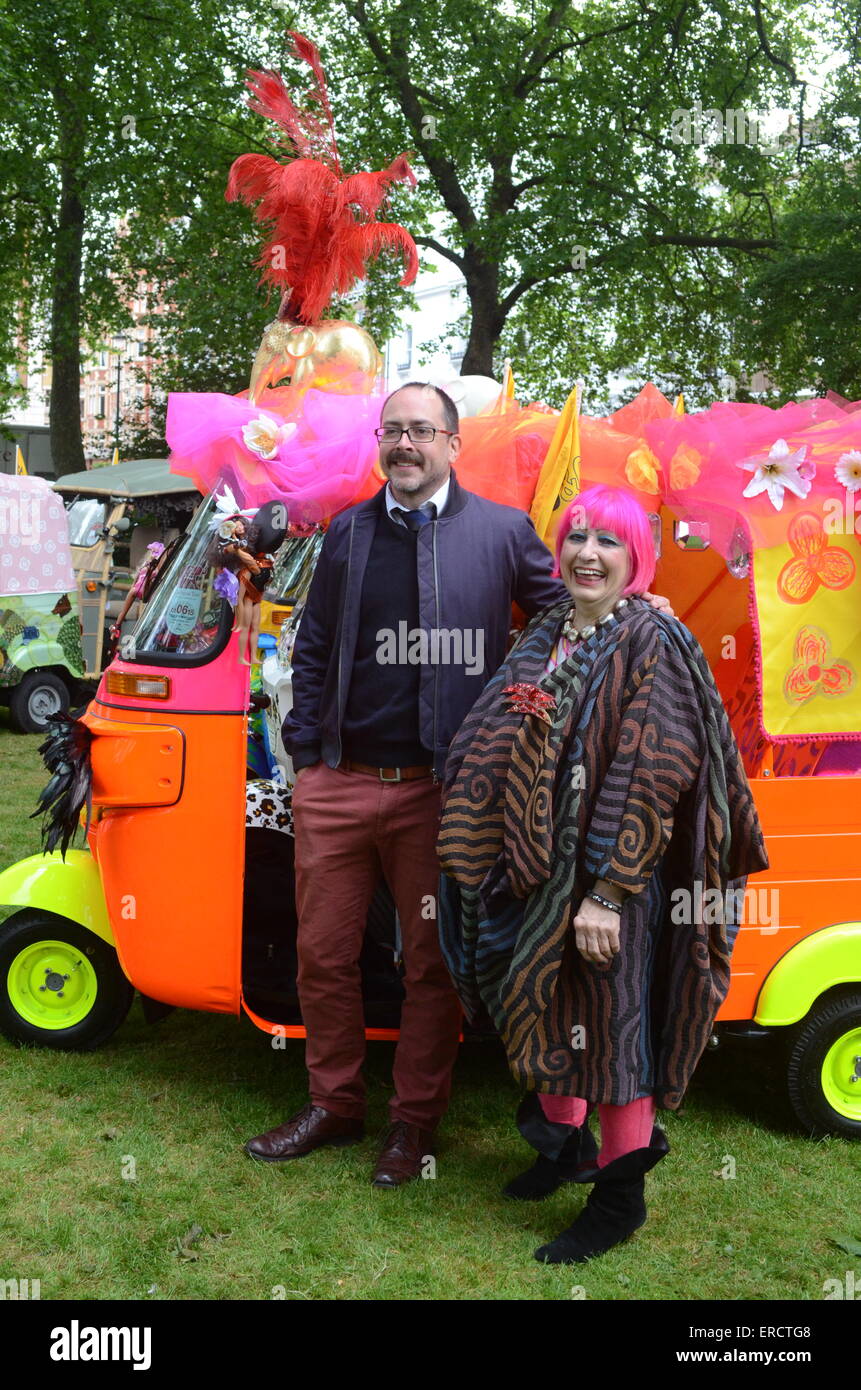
629 773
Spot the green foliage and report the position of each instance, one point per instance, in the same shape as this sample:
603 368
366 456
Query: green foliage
807 297
545 128
545 135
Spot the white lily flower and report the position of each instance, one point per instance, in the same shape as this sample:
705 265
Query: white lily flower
783 468
264 435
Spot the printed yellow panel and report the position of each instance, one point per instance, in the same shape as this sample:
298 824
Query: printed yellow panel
808 614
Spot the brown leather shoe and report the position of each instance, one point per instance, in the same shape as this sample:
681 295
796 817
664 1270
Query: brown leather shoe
311 1128
405 1149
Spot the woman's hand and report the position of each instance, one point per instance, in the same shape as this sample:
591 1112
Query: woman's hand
596 932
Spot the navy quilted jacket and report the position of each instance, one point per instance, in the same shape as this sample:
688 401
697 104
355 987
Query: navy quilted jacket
473 562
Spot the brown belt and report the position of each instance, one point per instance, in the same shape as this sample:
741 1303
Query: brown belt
386 774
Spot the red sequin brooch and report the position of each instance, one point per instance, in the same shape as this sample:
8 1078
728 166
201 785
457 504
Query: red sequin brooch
530 699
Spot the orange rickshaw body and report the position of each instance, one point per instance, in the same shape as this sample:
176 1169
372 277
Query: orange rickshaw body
169 789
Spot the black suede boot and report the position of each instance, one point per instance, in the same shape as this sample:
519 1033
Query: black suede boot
614 1210
564 1154
576 1163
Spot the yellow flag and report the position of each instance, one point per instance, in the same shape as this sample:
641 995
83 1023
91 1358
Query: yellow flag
116 457
20 465
559 479
679 405
507 392
508 381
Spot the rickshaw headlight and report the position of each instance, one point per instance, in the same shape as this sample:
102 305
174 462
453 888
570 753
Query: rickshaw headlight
141 687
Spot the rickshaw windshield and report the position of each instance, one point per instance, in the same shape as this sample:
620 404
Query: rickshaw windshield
294 567
186 622
86 521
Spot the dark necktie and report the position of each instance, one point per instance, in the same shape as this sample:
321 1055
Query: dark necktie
414 520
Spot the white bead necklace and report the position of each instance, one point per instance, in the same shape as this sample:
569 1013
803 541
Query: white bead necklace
573 634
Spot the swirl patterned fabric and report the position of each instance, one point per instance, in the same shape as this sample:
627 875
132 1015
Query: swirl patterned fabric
635 779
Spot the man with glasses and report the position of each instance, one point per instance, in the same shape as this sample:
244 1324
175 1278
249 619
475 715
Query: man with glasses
407 617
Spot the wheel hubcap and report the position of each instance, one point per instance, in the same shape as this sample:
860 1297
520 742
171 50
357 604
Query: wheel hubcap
44 702
841 1075
52 984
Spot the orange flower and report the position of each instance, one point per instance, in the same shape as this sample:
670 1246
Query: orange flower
815 562
641 470
810 675
685 467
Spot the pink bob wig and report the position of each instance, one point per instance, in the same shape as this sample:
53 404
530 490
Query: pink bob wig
611 509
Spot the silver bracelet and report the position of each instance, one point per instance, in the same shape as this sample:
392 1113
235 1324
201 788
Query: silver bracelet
605 902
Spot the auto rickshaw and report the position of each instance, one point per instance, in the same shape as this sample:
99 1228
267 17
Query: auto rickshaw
41 660
210 927
169 757
114 514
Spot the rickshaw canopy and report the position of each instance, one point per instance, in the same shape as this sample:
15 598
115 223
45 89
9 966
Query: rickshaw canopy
135 478
36 558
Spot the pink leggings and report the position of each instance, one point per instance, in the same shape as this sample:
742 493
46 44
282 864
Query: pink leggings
623 1127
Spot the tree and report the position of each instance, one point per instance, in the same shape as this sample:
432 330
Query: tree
591 236
560 171
112 113
806 297
120 122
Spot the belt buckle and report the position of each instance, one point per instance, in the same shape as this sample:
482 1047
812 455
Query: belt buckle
396 778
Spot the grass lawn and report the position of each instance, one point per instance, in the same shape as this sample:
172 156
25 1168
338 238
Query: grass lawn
122 1174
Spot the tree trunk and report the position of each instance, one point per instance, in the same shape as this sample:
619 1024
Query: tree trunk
482 287
67 445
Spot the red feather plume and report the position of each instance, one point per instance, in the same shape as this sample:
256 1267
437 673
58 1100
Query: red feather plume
321 227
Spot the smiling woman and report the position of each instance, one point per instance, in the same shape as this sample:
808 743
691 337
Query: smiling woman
596 774
614 521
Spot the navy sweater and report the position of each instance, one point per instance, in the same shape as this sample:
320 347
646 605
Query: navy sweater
385 733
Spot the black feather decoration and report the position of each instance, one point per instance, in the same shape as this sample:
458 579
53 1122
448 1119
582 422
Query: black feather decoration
66 754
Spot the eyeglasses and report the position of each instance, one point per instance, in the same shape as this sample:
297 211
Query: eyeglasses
418 434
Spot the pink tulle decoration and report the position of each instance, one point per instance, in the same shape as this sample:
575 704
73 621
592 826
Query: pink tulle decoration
323 447
700 457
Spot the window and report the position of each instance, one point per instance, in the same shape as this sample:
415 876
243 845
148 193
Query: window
405 351
101 410
86 518
186 622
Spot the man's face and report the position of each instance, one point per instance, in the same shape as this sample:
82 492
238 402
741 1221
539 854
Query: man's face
417 471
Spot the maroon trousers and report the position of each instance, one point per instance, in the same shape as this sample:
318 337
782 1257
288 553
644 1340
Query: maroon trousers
352 828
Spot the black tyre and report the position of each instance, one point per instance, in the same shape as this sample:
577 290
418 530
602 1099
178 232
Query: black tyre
824 1075
60 985
39 694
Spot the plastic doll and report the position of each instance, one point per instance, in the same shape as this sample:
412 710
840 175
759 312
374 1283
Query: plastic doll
140 589
249 549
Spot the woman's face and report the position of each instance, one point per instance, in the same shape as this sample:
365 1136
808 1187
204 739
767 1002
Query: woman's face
595 566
